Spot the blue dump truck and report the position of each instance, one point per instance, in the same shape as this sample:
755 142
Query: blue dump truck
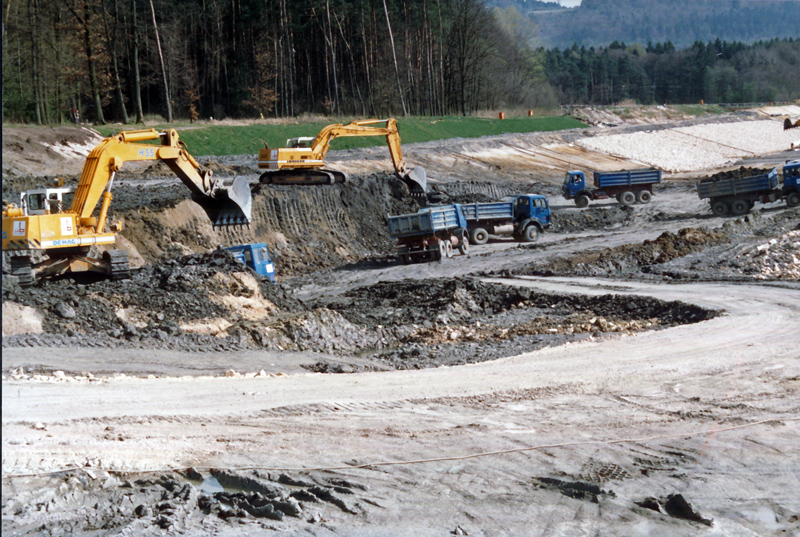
256 256
628 186
523 217
430 234
737 195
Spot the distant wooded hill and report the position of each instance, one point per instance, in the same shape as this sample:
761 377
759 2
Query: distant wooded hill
599 22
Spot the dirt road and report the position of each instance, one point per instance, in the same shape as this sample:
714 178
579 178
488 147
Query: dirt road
661 426
737 369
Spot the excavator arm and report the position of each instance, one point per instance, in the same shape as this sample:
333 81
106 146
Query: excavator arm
224 204
291 161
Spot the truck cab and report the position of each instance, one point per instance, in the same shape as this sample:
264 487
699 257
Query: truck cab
791 183
257 257
529 207
574 183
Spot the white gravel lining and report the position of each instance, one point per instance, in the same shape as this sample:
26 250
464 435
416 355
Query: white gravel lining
698 147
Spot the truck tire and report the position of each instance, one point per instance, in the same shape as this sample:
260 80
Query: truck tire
627 198
644 196
440 254
582 201
478 235
793 199
463 245
448 249
719 208
740 207
531 233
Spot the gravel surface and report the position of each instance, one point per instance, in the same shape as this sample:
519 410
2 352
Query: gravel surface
697 147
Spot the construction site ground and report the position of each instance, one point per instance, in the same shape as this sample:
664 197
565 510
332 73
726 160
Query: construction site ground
634 372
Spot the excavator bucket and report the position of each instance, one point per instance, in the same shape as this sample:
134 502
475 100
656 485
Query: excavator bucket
787 124
229 205
417 180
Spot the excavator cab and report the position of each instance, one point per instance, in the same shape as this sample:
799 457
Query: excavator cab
302 161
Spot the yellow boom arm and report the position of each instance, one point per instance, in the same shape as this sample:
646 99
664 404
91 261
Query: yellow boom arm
107 158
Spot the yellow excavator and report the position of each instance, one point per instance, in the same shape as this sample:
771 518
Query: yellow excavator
302 161
60 239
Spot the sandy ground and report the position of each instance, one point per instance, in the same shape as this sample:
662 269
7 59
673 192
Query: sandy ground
686 430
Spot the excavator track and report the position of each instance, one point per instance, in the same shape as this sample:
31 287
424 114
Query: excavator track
118 264
303 177
22 269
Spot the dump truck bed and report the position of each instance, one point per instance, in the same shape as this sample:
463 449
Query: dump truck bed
642 176
488 211
738 185
425 222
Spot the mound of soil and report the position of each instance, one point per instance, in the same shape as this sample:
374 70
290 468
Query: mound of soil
630 257
592 218
735 174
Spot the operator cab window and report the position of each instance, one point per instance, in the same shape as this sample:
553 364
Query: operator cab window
36 202
248 255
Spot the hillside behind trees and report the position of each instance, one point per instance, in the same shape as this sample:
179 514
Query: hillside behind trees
600 22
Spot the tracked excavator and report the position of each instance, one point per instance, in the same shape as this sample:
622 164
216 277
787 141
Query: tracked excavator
43 238
302 161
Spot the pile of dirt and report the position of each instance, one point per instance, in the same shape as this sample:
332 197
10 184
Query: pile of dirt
592 218
629 257
211 302
737 173
197 302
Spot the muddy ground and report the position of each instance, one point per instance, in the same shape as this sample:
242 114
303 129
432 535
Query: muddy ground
632 372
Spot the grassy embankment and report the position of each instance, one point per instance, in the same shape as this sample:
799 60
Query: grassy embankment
210 139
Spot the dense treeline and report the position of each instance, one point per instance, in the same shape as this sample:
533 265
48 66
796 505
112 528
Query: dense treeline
122 59
599 22
718 72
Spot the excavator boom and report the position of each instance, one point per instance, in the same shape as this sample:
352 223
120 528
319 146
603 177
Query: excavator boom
67 236
300 165
224 204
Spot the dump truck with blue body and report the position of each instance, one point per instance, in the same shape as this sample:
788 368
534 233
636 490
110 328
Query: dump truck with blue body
257 257
628 186
737 195
524 217
430 234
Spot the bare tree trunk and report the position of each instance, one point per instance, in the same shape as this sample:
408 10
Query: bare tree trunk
117 82
137 82
163 67
394 57
329 38
37 98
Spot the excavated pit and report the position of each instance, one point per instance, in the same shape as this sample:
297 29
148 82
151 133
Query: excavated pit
210 302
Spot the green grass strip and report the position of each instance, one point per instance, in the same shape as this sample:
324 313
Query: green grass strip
205 139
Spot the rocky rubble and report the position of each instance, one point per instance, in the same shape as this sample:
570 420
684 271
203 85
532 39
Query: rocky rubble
778 258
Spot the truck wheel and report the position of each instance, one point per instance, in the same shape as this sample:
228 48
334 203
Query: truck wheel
793 199
643 196
463 245
478 236
448 249
627 198
719 208
740 207
531 233
440 254
582 201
